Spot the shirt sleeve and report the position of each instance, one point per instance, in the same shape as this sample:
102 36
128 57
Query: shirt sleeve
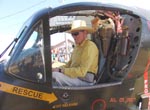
66 65
87 57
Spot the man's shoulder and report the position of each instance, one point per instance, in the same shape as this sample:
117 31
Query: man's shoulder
89 42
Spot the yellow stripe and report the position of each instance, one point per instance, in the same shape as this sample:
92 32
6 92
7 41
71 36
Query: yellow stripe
27 92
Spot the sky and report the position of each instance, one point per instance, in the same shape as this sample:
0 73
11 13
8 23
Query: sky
13 13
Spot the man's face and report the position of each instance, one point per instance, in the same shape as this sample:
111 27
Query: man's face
79 36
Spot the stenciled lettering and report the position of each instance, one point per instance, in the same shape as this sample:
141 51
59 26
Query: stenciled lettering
27 92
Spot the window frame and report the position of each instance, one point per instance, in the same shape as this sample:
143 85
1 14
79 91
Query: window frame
23 39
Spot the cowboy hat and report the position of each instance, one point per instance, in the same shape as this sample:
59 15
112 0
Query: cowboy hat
80 25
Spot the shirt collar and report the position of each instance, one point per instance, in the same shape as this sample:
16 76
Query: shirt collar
82 43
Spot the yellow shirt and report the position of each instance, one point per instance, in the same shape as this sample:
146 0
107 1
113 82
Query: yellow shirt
84 59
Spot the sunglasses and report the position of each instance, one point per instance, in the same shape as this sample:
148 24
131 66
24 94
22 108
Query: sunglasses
76 33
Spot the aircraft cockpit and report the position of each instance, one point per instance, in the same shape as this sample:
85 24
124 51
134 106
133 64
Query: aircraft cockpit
116 36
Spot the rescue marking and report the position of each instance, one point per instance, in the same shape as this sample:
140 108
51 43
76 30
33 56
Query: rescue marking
29 93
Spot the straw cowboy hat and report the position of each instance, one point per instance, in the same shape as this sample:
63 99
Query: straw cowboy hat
78 25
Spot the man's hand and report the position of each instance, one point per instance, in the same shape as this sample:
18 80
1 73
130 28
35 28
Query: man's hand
55 69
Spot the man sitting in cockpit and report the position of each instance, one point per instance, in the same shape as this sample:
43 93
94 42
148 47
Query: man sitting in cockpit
83 65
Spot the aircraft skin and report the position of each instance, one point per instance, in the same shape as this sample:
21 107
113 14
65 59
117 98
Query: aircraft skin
26 79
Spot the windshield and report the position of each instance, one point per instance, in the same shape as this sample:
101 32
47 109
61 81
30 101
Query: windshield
27 61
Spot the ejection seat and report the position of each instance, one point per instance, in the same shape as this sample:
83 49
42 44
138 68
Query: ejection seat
102 38
101 58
